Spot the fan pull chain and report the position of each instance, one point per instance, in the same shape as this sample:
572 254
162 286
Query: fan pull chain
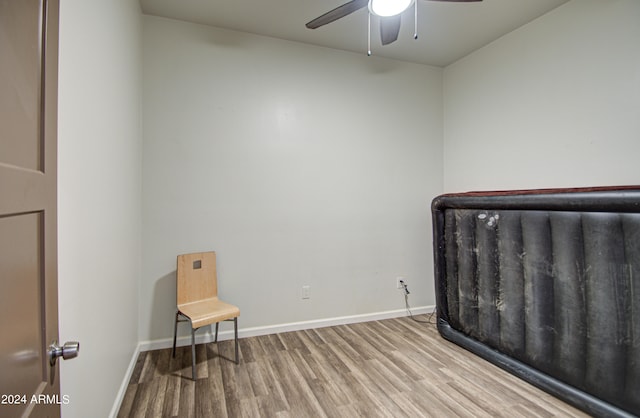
369 36
415 22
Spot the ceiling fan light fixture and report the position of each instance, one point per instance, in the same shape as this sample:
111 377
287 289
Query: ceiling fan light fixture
386 8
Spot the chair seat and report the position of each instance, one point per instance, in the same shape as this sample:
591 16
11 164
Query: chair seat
208 311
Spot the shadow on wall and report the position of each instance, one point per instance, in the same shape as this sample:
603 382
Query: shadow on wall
163 307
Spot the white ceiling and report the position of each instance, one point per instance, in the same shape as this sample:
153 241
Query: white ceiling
446 31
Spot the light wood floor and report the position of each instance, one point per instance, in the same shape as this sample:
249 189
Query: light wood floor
391 368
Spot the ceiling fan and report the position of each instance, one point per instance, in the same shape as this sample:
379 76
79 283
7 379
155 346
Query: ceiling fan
389 11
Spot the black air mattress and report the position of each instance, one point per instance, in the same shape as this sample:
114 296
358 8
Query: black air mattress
546 284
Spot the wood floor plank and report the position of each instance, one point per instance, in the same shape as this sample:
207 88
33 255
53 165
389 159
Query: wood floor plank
148 369
369 333
299 395
158 388
312 334
301 364
248 349
187 399
127 401
328 376
292 341
258 384
368 394
462 391
267 406
232 390
391 368
427 401
322 393
414 369
276 392
332 337
408 407
392 372
360 346
172 396
137 370
210 401
444 392
141 401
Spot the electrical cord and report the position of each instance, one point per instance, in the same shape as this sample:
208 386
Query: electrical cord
406 292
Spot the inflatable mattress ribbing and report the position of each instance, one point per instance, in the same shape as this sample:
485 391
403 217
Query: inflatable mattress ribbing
546 284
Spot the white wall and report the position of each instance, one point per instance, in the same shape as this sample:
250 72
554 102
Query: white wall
99 197
299 165
555 103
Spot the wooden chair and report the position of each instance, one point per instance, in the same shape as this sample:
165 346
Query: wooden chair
197 299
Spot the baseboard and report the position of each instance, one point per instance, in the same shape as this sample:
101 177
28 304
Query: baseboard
253 332
125 383
207 337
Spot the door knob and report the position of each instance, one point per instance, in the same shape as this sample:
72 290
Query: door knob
68 351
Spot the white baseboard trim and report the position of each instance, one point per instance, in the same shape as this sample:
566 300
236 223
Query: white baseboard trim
207 337
253 332
125 383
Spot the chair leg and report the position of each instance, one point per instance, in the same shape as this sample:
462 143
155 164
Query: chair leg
193 354
235 328
216 338
175 334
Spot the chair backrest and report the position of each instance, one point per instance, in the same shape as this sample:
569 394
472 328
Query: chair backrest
196 277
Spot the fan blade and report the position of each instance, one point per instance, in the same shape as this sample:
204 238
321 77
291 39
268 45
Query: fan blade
389 28
337 13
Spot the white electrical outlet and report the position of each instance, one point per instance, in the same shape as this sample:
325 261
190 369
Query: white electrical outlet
398 280
306 292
